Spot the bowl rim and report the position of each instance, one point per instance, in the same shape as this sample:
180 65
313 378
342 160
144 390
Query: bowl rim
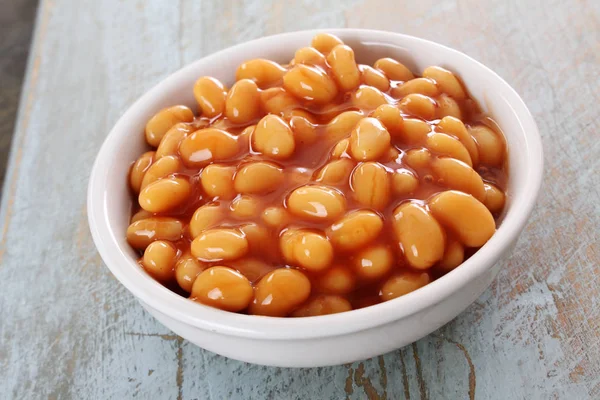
204 317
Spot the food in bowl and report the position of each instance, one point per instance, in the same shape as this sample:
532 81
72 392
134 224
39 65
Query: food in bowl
316 187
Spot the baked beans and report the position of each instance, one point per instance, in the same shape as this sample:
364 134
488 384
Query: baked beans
316 187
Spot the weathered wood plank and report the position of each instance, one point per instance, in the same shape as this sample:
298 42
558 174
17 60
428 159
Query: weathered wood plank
69 330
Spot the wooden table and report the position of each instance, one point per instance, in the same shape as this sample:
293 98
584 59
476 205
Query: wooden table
68 329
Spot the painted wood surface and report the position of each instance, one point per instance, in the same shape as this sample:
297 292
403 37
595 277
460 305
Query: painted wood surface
68 329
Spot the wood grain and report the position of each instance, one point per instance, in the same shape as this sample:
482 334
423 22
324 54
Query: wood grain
70 330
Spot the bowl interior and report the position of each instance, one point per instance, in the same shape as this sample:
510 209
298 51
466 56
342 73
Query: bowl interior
109 201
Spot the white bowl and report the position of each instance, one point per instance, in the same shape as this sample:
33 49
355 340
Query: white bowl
332 339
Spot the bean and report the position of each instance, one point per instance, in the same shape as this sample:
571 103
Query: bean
418 158
341 149
164 120
221 123
242 105
404 182
244 206
207 145
344 68
219 245
335 172
453 256
446 80
278 101
457 175
455 127
210 95
423 86
258 177
369 140
141 214
159 260
374 262
310 84
258 237
252 268
303 130
341 126
466 216
276 217
274 138
187 270
286 244
165 194
418 105
138 170
169 144
372 77
337 280
448 146
393 69
163 167
298 112
370 184
264 73
367 98
489 144
420 235
323 305
223 288
331 110
447 107
145 231
279 292
390 117
367 301
325 42
206 217
414 131
392 155
316 202
307 249
355 230
403 283
244 138
494 198
310 56
217 181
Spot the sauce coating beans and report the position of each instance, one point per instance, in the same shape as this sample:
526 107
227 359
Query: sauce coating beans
223 288
316 202
165 120
273 138
316 187
278 293
219 244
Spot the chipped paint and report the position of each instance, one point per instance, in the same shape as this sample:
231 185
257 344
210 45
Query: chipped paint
422 385
383 376
472 377
349 386
365 382
405 383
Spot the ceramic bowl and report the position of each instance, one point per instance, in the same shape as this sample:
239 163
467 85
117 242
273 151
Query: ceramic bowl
331 339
